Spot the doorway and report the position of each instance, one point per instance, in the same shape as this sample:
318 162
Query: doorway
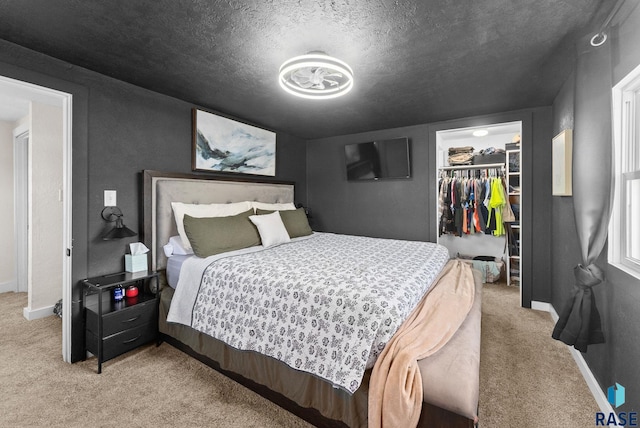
47 181
479 154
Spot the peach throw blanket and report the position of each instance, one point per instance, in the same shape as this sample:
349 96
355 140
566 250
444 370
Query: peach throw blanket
395 389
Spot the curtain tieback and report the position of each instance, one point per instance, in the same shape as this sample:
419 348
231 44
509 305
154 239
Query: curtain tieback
579 322
587 277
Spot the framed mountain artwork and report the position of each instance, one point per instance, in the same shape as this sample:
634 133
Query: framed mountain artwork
220 144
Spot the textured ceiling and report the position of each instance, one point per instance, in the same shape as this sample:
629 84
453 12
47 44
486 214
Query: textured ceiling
414 61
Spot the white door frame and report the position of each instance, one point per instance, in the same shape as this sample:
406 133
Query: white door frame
64 100
67 240
21 198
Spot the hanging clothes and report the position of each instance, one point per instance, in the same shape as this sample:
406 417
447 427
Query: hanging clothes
479 217
469 205
490 224
446 215
496 203
456 191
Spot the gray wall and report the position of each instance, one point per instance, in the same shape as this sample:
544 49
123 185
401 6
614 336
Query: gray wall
119 130
385 208
406 209
135 129
618 298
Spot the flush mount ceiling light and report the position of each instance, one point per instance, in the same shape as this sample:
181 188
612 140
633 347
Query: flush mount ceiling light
480 133
316 75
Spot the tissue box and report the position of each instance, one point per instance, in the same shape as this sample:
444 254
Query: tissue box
135 262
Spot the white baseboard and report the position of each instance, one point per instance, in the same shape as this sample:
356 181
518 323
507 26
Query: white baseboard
34 314
5 287
541 306
592 383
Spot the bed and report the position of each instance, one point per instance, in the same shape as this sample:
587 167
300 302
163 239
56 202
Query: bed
450 377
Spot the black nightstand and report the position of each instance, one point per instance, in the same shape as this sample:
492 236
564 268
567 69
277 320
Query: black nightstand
115 327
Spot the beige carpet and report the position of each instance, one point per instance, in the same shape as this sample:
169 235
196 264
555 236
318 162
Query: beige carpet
527 379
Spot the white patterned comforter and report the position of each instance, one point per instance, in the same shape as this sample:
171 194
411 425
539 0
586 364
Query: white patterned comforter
326 305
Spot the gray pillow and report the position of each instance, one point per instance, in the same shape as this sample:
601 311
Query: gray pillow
215 235
295 221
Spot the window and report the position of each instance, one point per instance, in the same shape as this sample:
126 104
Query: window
624 229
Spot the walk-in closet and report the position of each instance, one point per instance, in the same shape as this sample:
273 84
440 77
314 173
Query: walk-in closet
479 198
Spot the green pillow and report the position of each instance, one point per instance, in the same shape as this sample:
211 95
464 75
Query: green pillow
295 221
215 235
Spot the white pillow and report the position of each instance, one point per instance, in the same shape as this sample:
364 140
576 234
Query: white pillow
273 207
168 250
271 229
204 210
175 247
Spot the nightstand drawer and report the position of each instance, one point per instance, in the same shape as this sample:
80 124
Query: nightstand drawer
133 316
127 340
124 319
114 327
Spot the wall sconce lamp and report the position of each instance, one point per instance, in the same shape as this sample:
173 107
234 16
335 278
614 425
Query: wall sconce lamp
119 231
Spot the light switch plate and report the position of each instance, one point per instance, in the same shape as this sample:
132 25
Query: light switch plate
109 198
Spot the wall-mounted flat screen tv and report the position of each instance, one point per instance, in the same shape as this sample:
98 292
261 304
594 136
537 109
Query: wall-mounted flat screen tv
380 159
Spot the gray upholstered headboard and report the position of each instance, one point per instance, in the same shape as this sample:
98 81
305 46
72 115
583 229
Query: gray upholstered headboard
160 189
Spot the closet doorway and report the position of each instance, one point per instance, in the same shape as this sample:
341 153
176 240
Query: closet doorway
476 168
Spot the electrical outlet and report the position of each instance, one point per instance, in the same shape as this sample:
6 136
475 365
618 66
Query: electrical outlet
109 198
